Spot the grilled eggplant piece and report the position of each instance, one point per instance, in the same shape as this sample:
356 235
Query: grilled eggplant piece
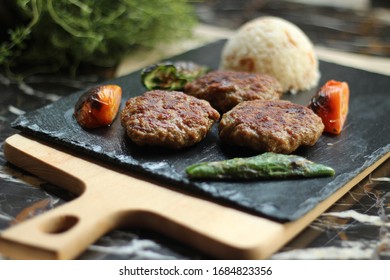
171 75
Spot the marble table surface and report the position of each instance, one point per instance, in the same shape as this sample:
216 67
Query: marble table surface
355 227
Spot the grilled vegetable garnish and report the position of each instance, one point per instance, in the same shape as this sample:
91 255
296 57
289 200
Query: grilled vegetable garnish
267 165
331 104
171 75
98 106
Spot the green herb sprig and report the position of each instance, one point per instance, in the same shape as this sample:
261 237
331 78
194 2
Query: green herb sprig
54 35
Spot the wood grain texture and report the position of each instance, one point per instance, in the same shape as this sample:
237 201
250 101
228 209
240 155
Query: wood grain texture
110 198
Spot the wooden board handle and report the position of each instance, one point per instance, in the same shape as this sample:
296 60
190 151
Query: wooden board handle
110 199
62 233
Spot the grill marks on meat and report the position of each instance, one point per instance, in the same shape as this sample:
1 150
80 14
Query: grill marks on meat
226 89
273 126
170 119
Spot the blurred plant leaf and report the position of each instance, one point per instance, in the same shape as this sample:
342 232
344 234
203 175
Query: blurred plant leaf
64 34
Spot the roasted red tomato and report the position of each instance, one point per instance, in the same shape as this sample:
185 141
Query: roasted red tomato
331 104
98 106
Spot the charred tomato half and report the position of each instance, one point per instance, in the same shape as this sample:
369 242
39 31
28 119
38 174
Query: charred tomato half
331 103
98 106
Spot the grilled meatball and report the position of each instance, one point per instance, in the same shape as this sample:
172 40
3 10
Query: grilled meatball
169 119
273 126
226 89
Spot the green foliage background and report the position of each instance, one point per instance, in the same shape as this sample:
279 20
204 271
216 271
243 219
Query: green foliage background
52 35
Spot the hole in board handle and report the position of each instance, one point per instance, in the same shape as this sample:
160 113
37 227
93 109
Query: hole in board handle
60 224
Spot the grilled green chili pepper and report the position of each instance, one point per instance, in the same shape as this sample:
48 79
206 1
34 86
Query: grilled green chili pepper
171 75
267 165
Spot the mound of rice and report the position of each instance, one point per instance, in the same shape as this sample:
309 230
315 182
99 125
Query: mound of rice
276 47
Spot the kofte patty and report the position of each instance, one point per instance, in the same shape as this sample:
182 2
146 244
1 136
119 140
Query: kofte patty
274 126
226 89
169 119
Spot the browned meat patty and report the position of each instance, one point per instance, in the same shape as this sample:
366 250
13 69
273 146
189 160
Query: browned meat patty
274 126
226 89
169 119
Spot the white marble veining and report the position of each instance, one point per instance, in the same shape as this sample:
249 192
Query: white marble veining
13 175
136 248
25 88
347 250
5 217
16 111
362 218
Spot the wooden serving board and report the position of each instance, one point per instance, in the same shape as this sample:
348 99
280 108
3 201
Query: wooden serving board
110 198
223 219
365 139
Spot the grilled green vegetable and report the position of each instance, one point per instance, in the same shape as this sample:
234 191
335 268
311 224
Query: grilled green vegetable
267 165
171 75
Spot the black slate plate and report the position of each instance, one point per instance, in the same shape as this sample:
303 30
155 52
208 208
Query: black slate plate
364 140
